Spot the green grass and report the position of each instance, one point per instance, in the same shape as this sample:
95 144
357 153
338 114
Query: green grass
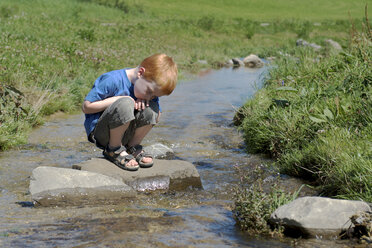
323 131
261 10
52 51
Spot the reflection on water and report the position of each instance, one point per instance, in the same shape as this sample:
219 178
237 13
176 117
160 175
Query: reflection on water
196 124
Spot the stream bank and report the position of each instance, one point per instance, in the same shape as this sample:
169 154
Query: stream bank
197 125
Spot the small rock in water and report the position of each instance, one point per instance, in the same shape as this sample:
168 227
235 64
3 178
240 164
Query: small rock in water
159 150
237 62
253 61
229 62
317 216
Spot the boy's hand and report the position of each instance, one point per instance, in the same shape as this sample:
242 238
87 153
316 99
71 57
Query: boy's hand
141 104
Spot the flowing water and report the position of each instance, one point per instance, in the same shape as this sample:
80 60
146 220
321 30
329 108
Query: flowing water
197 125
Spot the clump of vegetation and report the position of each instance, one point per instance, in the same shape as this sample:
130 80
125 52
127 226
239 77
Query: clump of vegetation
14 111
256 200
314 116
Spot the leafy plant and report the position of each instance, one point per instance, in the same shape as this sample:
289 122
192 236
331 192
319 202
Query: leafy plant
87 34
15 114
255 202
303 29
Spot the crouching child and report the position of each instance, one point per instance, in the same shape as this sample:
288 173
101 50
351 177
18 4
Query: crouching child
123 106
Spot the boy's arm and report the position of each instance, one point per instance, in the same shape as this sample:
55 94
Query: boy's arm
99 106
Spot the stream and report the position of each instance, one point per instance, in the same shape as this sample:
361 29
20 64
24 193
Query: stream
197 124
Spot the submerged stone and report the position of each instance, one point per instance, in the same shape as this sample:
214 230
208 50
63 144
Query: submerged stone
164 175
317 216
61 186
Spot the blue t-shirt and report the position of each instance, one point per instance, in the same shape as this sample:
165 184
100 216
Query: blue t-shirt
113 83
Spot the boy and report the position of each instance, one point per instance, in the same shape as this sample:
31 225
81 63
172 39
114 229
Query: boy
123 106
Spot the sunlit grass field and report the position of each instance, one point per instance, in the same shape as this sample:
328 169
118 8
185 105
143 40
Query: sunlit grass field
51 51
261 10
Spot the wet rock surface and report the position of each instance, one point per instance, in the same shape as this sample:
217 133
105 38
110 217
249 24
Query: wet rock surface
61 186
159 150
317 216
164 175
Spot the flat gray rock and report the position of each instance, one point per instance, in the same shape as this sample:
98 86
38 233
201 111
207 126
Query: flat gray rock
159 150
164 175
61 186
317 216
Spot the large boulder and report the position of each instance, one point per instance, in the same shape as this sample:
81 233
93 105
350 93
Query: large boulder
61 186
253 61
317 216
164 175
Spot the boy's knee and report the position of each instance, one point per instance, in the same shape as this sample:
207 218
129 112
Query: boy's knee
124 106
149 115
120 112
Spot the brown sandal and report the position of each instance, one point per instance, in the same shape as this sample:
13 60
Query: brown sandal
142 154
117 159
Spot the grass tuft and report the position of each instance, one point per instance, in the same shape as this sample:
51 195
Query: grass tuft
314 116
255 201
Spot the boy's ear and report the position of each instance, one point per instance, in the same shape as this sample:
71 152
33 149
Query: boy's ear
141 71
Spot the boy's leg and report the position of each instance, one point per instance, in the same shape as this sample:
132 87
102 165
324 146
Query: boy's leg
115 119
141 126
113 123
116 135
139 134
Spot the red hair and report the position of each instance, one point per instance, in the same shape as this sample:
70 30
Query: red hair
161 69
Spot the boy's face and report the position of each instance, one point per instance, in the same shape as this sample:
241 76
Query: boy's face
146 90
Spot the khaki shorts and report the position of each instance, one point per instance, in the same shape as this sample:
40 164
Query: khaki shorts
119 113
